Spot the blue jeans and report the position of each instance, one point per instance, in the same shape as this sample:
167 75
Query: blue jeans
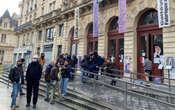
47 90
16 87
83 74
64 84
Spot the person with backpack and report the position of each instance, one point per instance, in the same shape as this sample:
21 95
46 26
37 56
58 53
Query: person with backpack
33 76
47 79
17 79
55 77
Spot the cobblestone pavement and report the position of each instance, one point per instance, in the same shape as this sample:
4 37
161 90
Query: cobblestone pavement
5 101
114 97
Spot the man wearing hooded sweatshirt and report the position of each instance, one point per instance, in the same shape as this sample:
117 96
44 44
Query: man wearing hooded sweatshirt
33 76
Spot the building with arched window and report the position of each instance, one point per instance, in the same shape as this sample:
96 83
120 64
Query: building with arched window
53 31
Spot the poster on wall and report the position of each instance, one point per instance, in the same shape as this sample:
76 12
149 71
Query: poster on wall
163 13
170 67
127 64
76 22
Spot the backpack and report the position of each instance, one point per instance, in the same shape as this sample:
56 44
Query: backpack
47 73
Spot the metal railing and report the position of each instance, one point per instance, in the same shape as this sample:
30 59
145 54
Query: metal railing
126 87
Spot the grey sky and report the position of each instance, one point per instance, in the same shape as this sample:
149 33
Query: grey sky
11 5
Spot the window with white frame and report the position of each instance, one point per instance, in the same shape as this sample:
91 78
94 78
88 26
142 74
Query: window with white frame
3 38
50 34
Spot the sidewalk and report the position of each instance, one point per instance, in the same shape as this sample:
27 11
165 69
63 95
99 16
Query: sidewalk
5 101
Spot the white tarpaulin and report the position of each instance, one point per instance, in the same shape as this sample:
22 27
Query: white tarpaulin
76 22
163 13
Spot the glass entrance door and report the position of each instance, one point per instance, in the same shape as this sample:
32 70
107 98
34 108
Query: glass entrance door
150 44
116 53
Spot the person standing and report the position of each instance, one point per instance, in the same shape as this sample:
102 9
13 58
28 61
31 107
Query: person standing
147 68
47 79
55 77
84 65
41 60
66 69
16 79
22 75
108 68
33 76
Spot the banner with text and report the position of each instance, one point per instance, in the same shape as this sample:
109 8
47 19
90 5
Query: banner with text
163 13
76 28
95 23
122 16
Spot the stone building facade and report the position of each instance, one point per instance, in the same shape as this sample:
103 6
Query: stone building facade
51 30
8 38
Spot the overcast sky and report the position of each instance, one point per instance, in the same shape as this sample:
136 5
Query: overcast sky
11 5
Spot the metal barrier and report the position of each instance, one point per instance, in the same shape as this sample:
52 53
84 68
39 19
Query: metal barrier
127 89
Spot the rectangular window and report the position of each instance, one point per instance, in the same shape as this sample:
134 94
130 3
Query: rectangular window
40 36
42 11
61 29
38 51
3 38
59 50
50 34
50 7
5 25
54 5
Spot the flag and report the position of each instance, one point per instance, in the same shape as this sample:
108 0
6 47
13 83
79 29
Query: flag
163 13
95 23
122 16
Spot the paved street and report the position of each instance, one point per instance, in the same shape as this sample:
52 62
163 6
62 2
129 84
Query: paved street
5 101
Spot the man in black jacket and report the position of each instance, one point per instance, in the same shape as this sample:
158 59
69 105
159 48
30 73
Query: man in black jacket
33 76
17 79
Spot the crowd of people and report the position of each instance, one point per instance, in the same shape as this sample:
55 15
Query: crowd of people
56 74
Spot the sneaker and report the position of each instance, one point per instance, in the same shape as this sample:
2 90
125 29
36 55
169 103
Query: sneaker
27 105
13 108
22 94
52 102
47 100
34 106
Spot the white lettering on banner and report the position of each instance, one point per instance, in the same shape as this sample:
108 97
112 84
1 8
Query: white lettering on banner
76 22
163 13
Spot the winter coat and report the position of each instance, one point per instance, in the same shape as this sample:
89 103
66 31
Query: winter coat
109 70
15 74
34 71
66 70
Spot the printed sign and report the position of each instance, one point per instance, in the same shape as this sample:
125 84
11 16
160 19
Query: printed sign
76 22
163 13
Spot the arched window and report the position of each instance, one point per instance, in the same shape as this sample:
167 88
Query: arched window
114 24
149 18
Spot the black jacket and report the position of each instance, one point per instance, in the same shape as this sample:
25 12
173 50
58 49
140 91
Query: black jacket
15 74
65 72
34 71
109 70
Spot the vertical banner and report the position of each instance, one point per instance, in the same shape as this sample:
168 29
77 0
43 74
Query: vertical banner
122 16
76 22
1 69
79 62
95 23
163 13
